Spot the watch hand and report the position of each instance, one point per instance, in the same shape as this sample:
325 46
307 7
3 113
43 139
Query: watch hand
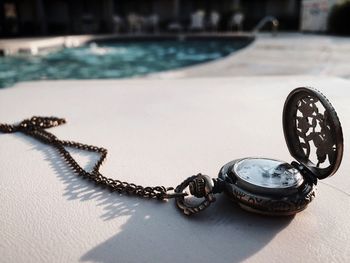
265 173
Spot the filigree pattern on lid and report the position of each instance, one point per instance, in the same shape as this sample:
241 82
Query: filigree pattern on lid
314 131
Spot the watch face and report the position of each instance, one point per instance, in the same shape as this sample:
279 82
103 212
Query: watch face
268 173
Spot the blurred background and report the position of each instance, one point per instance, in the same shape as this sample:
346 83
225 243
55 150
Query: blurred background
62 17
109 39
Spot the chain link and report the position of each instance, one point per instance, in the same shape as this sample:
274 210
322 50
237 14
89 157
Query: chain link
35 127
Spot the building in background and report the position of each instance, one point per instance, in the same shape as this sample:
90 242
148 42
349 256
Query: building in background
57 17
314 14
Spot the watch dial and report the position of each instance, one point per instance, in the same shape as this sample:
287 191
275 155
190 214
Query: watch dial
268 173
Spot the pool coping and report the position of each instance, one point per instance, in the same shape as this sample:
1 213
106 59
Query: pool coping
34 45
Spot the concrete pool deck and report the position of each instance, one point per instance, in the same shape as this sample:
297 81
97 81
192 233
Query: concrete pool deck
160 130
284 54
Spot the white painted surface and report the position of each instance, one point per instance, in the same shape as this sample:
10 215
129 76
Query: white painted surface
160 132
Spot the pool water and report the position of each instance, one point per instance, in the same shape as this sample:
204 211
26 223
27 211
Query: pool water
113 60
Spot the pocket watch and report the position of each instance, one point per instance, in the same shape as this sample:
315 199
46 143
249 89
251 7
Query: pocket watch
266 186
314 139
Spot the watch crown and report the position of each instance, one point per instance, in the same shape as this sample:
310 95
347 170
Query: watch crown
201 186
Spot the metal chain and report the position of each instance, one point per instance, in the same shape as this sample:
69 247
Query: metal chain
35 127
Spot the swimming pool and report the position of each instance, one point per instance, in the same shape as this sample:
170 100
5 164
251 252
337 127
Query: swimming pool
106 60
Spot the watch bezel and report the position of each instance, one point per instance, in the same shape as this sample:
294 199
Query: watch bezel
261 189
266 203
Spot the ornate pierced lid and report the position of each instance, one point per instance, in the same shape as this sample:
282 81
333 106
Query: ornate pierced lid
313 132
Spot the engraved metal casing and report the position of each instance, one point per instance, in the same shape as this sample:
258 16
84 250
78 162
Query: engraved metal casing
314 138
268 200
313 132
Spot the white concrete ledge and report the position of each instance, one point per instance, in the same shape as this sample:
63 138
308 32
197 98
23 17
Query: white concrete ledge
158 133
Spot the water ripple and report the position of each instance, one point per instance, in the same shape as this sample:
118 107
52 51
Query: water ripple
113 60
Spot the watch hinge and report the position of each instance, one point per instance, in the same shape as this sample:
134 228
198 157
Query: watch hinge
308 175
